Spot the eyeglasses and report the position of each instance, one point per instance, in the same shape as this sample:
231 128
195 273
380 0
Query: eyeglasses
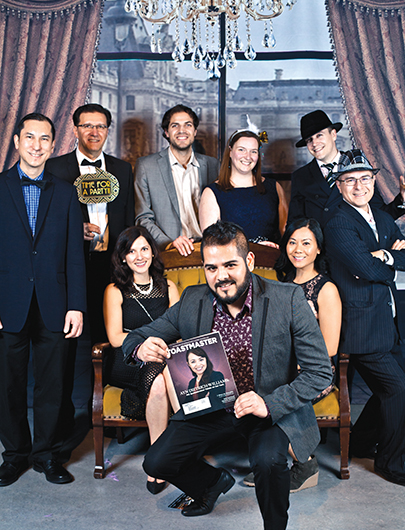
89 126
350 182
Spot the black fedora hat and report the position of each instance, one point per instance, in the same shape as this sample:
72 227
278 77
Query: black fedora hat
314 122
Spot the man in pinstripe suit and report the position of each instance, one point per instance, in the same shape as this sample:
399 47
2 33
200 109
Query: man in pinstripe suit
366 249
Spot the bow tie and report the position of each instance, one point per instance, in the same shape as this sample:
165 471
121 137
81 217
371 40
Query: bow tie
25 181
96 163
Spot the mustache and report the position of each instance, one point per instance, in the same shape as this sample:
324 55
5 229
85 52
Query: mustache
224 282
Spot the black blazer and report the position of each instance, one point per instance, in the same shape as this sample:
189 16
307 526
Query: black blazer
364 282
311 196
121 211
51 262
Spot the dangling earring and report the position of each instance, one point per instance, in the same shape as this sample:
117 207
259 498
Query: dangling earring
124 261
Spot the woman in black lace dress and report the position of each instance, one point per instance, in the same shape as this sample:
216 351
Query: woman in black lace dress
138 295
302 262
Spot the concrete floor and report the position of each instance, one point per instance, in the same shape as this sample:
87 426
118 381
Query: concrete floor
121 501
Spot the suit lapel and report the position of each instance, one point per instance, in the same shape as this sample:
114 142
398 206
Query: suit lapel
319 180
72 166
74 172
14 185
167 177
258 315
383 235
366 231
202 171
44 202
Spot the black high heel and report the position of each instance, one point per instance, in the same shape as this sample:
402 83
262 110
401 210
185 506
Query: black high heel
155 487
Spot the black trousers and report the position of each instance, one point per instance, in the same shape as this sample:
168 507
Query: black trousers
177 456
49 357
382 420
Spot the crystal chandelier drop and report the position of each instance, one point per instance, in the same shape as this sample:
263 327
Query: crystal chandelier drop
200 19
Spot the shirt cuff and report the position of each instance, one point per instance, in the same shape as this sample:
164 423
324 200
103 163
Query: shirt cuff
134 354
390 259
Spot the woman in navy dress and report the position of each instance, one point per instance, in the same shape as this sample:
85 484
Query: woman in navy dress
241 195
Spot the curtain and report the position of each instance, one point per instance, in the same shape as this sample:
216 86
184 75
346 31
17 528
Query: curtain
47 56
368 41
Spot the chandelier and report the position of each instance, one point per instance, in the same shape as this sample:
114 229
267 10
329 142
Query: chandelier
201 35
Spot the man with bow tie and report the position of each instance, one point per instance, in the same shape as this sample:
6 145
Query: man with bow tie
42 300
313 190
102 222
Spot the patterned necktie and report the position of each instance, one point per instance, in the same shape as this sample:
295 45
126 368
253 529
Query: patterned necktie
330 177
86 162
25 181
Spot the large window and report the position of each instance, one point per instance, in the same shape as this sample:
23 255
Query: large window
275 90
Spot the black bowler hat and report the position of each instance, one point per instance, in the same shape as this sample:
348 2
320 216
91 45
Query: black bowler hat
314 122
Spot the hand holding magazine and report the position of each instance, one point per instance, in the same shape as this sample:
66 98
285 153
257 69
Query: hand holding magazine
201 375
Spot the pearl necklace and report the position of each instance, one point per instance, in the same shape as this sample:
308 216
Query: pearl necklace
147 291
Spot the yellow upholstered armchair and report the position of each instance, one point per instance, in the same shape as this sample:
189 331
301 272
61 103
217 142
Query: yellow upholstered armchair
333 411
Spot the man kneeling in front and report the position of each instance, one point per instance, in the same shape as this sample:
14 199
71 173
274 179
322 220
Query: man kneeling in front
267 330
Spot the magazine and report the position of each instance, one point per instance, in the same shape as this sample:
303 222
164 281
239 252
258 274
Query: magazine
201 375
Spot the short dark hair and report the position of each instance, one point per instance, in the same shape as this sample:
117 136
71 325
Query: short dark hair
36 116
223 233
167 116
121 275
285 270
91 107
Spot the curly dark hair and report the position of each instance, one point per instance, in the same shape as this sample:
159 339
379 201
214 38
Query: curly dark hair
122 276
285 270
208 371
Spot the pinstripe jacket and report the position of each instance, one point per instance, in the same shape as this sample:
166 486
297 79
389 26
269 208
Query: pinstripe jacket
364 282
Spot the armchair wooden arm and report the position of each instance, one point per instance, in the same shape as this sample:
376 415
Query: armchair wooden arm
100 418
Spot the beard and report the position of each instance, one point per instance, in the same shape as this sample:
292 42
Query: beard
181 147
240 291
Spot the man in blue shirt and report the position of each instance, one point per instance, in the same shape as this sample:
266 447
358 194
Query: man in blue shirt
42 286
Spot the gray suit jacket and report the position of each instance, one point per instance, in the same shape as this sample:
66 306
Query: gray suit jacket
284 333
156 204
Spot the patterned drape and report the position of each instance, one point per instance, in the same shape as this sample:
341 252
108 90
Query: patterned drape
368 39
47 55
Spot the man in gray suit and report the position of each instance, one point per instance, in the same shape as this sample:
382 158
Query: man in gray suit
267 329
168 185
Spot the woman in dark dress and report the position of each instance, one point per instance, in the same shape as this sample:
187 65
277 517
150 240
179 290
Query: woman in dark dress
302 262
241 195
138 294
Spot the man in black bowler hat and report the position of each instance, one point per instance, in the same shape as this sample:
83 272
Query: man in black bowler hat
313 190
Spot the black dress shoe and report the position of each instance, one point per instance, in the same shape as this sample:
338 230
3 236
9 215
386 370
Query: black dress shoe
10 473
155 487
205 504
54 472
